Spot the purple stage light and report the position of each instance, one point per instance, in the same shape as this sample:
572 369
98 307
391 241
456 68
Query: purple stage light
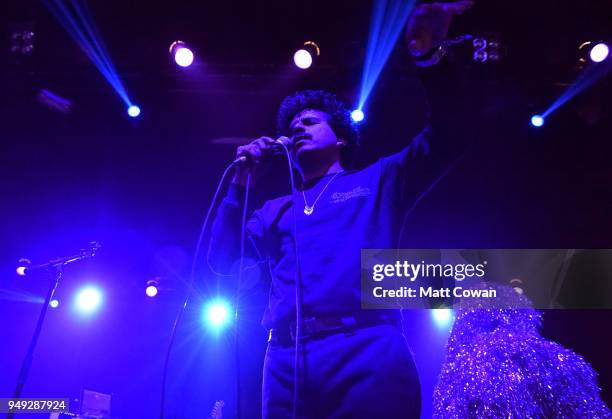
183 57
302 59
182 54
599 52
88 300
305 56
152 287
151 290
54 303
22 265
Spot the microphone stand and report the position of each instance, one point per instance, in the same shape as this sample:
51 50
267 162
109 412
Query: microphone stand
53 265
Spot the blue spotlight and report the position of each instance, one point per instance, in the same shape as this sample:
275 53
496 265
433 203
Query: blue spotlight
388 19
54 303
537 120
217 314
599 52
133 111
357 115
78 21
442 317
88 300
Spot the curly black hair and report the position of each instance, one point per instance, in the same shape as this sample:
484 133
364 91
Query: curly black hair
339 118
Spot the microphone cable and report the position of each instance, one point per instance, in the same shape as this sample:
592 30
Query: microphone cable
179 316
298 288
298 291
237 298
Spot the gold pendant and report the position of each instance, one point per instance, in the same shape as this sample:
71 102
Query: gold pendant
308 210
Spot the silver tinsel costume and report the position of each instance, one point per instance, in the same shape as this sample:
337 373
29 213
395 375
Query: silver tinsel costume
499 366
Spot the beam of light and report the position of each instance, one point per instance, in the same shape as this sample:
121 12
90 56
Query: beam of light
442 317
357 115
302 59
388 18
591 75
537 120
53 101
79 24
12 295
217 315
599 52
88 300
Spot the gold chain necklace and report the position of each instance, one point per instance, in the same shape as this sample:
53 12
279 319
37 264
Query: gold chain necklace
309 209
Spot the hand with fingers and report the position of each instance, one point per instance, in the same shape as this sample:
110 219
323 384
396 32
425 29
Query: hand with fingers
428 24
257 154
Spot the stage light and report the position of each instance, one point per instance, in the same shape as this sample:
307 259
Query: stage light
22 40
22 265
77 20
304 57
357 115
599 52
152 287
54 303
88 300
517 284
388 21
443 317
537 120
183 55
217 314
151 290
133 111
486 50
54 101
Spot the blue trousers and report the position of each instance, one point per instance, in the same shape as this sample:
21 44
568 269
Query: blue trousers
367 373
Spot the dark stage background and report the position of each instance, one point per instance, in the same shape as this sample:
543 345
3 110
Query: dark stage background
141 187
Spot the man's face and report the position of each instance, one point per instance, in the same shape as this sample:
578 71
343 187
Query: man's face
313 137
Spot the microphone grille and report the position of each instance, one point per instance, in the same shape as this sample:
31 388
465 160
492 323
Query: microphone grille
284 140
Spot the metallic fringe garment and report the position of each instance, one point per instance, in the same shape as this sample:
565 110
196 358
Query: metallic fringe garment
499 366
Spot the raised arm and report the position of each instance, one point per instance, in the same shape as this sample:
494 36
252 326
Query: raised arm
415 170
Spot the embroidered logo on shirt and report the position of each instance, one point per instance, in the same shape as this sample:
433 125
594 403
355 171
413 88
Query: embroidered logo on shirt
338 197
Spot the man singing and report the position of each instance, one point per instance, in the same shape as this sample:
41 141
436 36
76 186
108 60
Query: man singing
352 362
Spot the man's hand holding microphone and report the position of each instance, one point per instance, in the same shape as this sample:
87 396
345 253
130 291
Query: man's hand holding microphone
254 158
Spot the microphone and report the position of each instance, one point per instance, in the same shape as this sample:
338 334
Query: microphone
25 267
277 148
